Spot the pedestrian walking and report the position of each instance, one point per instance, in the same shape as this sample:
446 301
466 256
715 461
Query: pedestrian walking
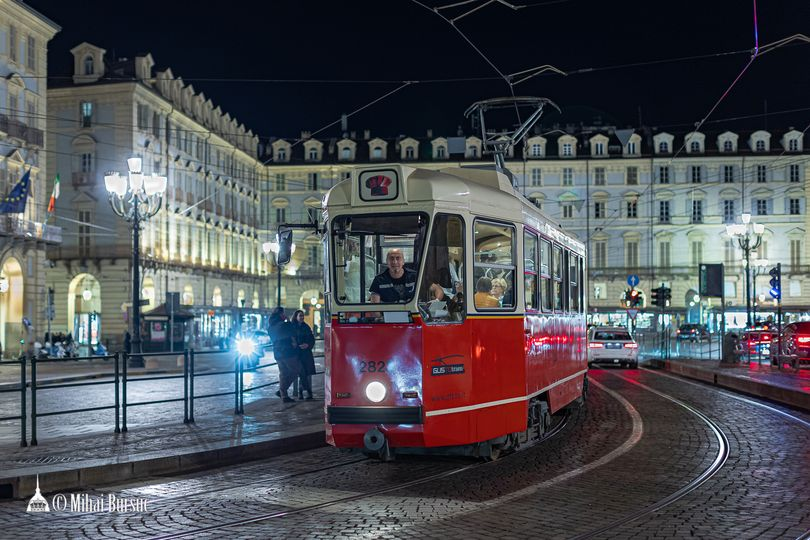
306 341
127 342
285 351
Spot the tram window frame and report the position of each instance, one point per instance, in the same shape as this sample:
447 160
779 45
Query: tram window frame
546 288
498 266
531 295
581 273
573 280
424 287
557 270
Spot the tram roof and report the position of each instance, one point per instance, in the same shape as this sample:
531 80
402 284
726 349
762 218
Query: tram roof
482 191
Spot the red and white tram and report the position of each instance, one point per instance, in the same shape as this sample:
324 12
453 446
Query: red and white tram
490 341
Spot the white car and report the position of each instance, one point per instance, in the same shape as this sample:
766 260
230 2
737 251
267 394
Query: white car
612 345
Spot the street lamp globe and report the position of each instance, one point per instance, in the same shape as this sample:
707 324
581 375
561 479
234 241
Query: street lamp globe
87 295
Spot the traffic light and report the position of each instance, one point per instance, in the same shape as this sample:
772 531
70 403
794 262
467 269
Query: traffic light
776 282
635 299
284 237
666 294
656 297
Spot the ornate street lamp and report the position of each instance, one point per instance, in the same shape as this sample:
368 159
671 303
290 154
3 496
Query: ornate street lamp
136 198
749 238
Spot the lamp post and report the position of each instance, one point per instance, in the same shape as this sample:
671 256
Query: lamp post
136 198
749 238
272 246
759 268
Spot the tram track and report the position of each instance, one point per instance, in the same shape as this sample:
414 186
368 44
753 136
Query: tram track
717 464
359 496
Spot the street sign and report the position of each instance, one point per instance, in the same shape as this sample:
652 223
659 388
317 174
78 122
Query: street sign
632 314
710 280
632 280
143 302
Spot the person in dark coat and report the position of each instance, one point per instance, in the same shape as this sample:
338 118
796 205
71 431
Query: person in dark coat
306 341
285 351
127 342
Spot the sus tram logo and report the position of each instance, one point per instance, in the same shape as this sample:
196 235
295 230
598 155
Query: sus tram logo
443 368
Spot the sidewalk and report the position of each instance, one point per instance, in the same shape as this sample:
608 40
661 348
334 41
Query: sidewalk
764 381
267 428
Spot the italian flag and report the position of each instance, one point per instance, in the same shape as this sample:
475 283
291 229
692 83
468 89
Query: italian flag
54 195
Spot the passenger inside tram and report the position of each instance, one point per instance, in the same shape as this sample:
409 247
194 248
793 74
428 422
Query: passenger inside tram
441 298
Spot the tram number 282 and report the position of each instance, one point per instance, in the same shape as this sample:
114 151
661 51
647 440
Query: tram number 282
372 367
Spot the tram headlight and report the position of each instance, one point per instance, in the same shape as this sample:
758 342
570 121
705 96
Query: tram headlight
245 346
375 391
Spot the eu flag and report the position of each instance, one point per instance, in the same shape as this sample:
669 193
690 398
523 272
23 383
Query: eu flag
15 202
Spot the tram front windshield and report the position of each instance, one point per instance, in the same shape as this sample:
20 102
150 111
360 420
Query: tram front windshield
376 257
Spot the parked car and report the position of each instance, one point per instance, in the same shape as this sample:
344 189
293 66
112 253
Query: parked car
692 332
612 345
757 341
796 341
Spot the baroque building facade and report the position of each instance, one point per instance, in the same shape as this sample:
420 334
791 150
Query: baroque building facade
203 244
24 237
645 201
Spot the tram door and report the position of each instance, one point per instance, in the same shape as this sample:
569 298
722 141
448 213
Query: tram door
442 305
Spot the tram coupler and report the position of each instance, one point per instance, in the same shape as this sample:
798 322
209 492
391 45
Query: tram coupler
374 442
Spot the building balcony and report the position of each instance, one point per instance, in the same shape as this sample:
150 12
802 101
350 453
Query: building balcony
83 179
24 229
20 130
121 251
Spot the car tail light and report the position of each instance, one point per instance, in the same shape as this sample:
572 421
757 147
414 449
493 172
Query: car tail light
595 345
631 345
804 340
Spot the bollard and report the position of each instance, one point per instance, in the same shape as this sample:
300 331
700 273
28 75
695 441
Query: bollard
33 401
23 415
185 386
124 392
191 388
117 394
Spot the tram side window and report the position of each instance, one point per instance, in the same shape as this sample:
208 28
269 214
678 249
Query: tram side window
546 290
573 274
581 274
530 270
494 266
557 274
441 296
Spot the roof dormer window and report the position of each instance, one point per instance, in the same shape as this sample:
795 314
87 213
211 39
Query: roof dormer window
89 67
760 146
663 147
728 146
376 153
537 150
346 153
793 145
567 149
694 147
409 152
599 149
631 148
313 154
281 154
440 152
472 151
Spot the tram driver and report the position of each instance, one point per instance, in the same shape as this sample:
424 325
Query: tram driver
396 284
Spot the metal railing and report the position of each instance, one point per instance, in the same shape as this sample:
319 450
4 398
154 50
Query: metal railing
121 380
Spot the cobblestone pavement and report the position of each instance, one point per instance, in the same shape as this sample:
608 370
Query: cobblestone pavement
593 472
56 427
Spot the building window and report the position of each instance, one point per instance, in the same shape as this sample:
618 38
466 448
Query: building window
695 171
631 254
731 253
599 176
728 174
795 254
694 147
664 254
409 152
12 43
376 153
568 176
793 173
89 66
31 54
697 211
568 211
762 174
281 154
281 183
762 207
86 162
663 212
537 150
728 212
599 210
313 154
156 124
143 116
663 147
663 174
697 252
281 215
313 181
760 146
728 146
600 254
472 151
599 149
795 207
567 149
346 153
84 232
632 175
793 145
440 152
536 177
632 209
631 148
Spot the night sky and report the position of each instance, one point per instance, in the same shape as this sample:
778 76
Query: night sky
396 40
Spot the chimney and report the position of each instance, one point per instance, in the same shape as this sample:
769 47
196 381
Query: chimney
305 135
344 123
352 135
429 133
366 134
